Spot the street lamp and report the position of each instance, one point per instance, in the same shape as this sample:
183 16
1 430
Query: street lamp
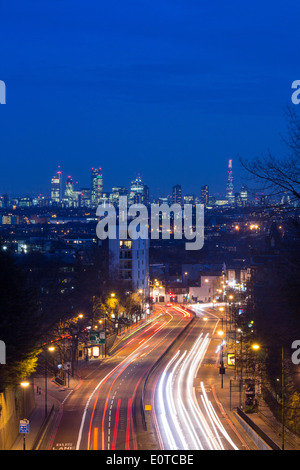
24 385
256 347
50 349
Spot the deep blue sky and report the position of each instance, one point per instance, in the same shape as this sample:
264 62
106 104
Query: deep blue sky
168 89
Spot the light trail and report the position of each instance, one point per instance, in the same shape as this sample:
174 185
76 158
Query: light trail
181 421
113 375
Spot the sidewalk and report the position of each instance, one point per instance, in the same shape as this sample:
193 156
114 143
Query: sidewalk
37 420
264 418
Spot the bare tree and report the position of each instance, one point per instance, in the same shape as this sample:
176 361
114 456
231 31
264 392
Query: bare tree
279 178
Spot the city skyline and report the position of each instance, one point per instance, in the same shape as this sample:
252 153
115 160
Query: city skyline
63 187
109 182
160 96
149 228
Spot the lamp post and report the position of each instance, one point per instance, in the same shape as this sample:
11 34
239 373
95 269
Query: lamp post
51 349
282 396
256 347
24 385
222 368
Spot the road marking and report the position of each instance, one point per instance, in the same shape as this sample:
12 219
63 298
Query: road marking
128 424
95 438
116 425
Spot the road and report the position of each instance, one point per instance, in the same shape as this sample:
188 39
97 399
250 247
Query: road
104 411
185 414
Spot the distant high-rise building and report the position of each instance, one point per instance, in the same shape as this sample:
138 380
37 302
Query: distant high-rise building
244 196
84 199
204 195
56 187
96 186
116 192
176 194
189 199
146 195
137 189
4 200
229 187
69 189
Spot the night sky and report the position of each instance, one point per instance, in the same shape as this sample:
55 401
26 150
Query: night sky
168 89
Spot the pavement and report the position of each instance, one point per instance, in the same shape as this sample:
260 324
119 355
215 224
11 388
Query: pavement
264 418
38 420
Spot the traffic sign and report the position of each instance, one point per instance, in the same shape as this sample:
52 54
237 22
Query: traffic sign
24 426
97 337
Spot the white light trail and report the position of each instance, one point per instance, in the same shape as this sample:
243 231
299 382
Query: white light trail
183 422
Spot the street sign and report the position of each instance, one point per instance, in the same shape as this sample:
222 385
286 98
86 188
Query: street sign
97 337
24 426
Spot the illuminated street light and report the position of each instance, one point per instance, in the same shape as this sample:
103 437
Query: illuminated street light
25 384
50 349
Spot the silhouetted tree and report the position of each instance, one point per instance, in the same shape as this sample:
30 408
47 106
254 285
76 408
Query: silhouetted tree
20 323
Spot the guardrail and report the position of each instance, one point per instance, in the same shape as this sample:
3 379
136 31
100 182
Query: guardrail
258 431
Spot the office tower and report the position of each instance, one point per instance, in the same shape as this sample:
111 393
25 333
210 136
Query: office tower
69 189
238 200
5 200
176 194
117 191
84 199
146 195
204 195
229 187
136 195
56 187
189 199
244 196
96 186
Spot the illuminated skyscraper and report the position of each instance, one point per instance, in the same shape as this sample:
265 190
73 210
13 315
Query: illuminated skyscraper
56 187
96 186
137 191
176 194
69 193
244 196
117 191
84 198
69 189
229 187
204 195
